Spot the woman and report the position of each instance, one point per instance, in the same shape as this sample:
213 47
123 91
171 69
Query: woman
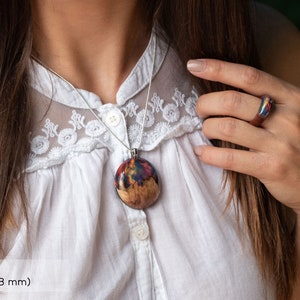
92 81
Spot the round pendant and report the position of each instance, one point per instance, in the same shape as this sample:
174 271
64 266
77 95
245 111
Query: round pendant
136 182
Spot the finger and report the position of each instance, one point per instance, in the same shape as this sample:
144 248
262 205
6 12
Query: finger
241 161
238 132
231 103
244 77
228 103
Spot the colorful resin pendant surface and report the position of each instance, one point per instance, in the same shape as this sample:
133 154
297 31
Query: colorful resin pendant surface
136 182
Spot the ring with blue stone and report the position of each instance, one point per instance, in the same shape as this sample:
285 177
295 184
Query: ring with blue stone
264 110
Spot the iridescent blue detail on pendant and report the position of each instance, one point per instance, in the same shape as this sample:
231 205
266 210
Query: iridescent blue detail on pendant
137 184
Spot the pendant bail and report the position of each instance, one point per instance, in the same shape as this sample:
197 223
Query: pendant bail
134 153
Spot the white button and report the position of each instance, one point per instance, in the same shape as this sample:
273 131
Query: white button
141 232
113 118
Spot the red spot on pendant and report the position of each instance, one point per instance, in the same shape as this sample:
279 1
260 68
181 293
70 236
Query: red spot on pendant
137 184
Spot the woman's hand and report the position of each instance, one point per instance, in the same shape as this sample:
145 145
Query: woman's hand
274 156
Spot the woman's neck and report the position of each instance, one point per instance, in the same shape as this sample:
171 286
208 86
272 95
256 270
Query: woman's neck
93 43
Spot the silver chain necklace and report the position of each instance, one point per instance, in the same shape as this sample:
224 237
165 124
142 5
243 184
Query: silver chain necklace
136 180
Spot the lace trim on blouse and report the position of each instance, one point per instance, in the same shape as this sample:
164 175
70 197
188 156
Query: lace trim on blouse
165 120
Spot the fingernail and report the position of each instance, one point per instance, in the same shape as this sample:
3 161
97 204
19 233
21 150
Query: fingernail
196 65
198 150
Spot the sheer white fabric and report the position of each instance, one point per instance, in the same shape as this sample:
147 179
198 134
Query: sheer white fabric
83 242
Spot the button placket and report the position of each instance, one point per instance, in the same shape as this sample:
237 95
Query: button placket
141 232
113 118
141 244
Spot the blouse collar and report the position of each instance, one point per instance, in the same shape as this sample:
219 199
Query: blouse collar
53 87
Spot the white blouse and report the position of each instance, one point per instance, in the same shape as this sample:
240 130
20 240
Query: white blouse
82 242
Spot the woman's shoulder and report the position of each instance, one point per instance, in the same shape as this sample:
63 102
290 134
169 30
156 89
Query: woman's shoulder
278 42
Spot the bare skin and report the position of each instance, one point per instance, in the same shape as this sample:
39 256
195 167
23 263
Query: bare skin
276 160
284 61
93 44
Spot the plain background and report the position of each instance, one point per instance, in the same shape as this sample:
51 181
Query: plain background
290 8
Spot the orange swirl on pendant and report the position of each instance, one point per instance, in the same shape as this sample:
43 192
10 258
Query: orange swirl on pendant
137 184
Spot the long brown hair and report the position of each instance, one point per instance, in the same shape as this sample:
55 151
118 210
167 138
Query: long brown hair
196 28
224 29
15 49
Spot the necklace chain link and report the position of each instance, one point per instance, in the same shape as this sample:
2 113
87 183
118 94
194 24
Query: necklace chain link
133 151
